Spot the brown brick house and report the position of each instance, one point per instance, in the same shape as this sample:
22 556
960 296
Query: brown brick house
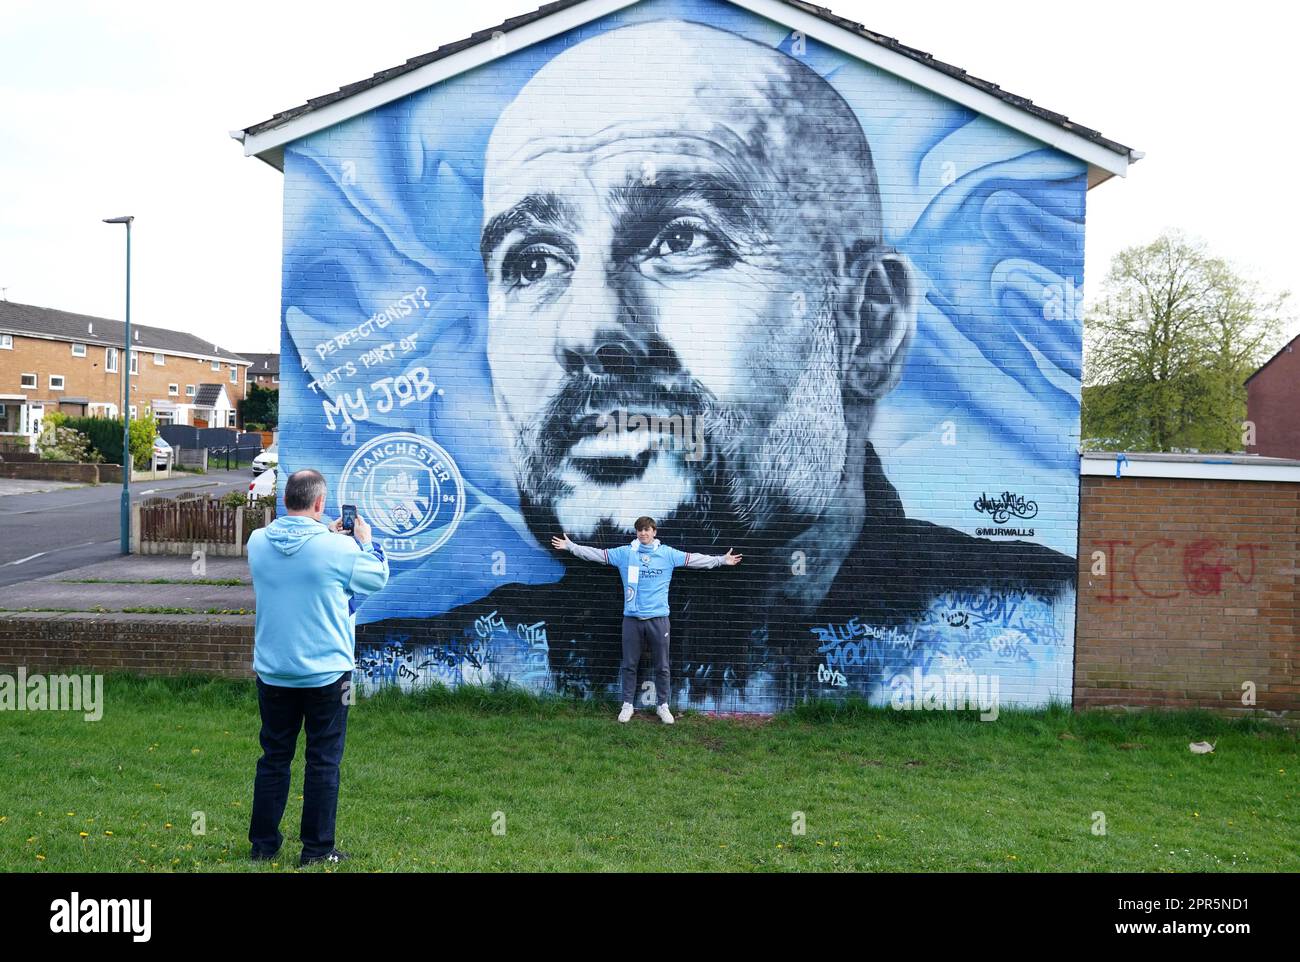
263 370
1273 404
52 360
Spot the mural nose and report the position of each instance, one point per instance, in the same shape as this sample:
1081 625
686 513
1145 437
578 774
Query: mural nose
608 357
613 358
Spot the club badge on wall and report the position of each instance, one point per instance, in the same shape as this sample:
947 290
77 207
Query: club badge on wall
409 488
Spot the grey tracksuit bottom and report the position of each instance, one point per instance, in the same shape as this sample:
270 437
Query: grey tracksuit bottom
636 633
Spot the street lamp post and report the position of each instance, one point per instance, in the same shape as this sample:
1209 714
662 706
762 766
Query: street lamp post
126 396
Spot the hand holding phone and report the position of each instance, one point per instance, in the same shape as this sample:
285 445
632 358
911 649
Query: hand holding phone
349 519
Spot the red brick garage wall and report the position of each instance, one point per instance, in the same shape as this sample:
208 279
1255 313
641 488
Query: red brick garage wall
1188 589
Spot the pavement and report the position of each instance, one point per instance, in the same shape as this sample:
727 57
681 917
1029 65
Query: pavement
17 486
58 529
160 584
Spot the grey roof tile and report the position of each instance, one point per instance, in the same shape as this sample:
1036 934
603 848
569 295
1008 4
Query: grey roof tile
483 36
90 330
262 363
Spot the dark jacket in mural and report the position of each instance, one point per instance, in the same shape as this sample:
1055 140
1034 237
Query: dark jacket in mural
907 591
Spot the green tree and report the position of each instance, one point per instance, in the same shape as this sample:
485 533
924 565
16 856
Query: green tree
143 431
105 437
262 406
1168 347
59 443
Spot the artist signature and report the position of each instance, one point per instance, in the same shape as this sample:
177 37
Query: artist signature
1003 508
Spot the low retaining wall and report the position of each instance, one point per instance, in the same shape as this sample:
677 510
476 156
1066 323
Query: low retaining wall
55 471
140 644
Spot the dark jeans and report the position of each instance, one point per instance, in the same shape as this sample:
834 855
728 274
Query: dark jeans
284 711
637 633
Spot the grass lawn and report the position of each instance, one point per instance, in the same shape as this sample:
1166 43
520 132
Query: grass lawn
879 790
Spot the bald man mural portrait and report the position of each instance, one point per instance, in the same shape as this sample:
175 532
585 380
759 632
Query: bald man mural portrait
692 314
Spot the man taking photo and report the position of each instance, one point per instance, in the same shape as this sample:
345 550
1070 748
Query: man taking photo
646 569
305 577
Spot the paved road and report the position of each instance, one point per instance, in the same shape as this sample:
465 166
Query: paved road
57 530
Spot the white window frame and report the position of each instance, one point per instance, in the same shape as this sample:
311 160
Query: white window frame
35 385
135 363
62 382
189 390
173 390
110 360
158 359
6 342
216 365
75 352
234 374
133 412
230 419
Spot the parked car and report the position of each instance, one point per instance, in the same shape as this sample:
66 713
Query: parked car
262 485
267 459
162 453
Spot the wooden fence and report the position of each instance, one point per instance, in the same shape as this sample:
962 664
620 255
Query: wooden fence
186 524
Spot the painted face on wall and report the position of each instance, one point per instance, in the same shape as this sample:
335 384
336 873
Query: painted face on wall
658 257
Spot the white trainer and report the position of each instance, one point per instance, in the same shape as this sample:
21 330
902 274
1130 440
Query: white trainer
625 715
664 714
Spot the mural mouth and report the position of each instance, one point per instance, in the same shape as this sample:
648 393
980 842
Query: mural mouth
613 470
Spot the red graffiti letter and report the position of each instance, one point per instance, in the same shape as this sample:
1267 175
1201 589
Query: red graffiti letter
1203 577
1112 566
1250 553
1137 575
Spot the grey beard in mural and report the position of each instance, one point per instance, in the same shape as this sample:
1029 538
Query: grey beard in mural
700 246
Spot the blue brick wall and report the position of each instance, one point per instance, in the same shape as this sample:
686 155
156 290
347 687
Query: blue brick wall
685 263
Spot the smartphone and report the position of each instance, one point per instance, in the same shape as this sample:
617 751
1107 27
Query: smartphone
349 516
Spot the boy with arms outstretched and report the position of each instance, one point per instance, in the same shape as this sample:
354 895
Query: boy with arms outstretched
646 569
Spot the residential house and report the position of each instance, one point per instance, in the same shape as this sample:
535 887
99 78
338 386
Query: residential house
53 360
263 370
1273 404
848 269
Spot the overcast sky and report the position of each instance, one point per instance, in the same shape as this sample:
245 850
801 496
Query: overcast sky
125 108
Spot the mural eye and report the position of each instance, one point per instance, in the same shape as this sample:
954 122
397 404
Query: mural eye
679 240
685 238
532 264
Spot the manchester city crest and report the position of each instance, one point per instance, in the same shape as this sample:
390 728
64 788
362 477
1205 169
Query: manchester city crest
410 491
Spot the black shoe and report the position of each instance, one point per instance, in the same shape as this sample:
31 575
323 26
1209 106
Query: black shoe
332 857
262 857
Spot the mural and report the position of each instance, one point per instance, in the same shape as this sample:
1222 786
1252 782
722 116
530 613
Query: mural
681 263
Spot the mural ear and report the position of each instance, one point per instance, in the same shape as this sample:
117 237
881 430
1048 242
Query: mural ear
877 320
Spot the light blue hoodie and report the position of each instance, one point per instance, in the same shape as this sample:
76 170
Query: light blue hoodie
305 577
646 571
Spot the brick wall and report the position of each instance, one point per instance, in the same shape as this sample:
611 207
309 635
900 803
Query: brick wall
58 471
1273 405
139 644
1188 590
871 359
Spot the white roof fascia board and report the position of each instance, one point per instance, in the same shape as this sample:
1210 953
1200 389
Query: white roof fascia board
1207 470
1102 161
